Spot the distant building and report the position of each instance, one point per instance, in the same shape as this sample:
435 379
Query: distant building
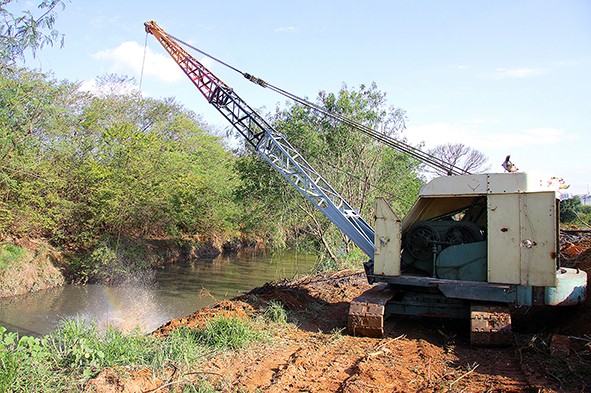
585 199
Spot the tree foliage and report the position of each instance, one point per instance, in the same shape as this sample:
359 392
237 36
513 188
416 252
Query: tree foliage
77 166
355 165
568 209
22 30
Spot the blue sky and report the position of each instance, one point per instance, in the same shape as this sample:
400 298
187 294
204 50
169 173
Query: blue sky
504 77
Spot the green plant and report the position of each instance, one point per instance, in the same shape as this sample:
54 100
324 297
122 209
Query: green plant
181 347
26 364
274 312
10 254
227 333
568 208
82 347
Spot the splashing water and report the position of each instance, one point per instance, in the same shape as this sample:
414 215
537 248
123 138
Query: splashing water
147 302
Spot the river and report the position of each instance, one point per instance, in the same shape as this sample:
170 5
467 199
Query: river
171 292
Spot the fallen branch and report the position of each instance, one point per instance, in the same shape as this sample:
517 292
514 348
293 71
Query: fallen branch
463 376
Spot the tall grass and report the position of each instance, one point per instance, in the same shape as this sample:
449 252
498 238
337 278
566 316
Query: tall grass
227 333
77 351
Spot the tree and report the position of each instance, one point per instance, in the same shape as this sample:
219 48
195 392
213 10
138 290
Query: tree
568 208
460 156
77 167
31 30
355 165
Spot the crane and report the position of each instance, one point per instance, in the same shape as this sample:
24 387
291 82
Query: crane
270 144
472 245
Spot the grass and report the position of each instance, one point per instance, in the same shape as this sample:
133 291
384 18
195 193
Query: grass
77 351
223 333
10 254
351 260
275 312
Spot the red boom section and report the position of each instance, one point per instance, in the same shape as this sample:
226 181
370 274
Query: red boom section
204 80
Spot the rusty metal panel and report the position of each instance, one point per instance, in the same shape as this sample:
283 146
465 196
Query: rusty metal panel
538 243
387 240
503 239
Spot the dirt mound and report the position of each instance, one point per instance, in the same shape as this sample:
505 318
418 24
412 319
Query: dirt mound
575 251
112 381
319 303
36 269
199 318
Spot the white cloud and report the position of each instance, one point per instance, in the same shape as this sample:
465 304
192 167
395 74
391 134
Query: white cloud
91 86
519 72
287 29
476 134
129 57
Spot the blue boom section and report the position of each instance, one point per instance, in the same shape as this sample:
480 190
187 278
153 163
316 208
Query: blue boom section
270 144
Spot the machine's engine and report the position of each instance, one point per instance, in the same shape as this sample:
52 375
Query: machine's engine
445 249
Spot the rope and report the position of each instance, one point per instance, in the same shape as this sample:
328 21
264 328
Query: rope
143 62
414 152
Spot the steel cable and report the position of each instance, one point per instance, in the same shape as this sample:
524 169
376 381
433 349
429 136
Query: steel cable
403 147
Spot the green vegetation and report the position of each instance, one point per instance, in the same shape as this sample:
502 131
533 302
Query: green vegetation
77 351
88 171
275 312
355 165
10 254
27 29
92 173
574 213
227 333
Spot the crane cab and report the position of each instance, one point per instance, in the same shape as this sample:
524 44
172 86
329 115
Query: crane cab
498 228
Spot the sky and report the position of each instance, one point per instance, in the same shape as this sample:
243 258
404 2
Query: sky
503 77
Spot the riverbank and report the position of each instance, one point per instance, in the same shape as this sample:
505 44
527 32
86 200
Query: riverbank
289 336
30 265
312 353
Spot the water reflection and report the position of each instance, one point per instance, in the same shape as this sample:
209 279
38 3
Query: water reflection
173 292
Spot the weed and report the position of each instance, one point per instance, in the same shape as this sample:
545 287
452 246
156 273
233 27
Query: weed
336 334
274 312
26 365
77 351
182 347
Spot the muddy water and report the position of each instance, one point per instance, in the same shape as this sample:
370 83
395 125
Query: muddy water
170 293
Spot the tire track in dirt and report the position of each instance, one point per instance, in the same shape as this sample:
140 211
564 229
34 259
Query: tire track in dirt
494 370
